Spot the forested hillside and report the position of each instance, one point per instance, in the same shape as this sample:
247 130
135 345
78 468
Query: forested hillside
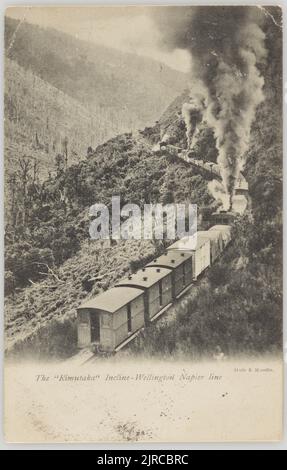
43 122
135 89
40 120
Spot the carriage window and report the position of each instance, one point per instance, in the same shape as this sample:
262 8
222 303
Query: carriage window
84 317
129 318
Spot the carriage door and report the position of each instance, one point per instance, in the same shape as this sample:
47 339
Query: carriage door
95 328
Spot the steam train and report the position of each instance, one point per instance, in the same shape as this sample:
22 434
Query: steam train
213 169
111 318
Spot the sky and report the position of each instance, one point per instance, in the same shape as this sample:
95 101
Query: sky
128 28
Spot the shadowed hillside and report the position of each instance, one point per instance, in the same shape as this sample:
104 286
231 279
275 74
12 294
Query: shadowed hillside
136 88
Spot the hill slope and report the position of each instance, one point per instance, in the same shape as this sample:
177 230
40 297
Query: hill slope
137 88
39 117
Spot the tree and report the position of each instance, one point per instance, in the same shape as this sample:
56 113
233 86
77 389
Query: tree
90 151
9 283
65 150
24 173
60 164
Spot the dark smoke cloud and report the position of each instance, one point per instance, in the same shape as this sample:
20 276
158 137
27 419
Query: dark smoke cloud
192 113
226 45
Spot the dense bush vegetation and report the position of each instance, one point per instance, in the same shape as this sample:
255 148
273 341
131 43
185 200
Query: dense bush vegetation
49 220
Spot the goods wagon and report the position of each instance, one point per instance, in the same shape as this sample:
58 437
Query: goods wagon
181 265
156 284
225 231
109 318
200 247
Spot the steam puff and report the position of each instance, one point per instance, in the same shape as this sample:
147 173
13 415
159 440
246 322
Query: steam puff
226 45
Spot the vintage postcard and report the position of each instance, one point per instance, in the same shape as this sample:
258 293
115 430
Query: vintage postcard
143 224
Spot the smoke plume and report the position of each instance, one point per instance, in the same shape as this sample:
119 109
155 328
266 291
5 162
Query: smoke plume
192 113
226 44
218 192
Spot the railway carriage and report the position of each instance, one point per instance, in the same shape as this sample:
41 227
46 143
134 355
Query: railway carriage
225 231
199 246
181 265
156 284
216 243
109 318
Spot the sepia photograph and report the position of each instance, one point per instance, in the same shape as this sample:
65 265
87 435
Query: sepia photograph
143 181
